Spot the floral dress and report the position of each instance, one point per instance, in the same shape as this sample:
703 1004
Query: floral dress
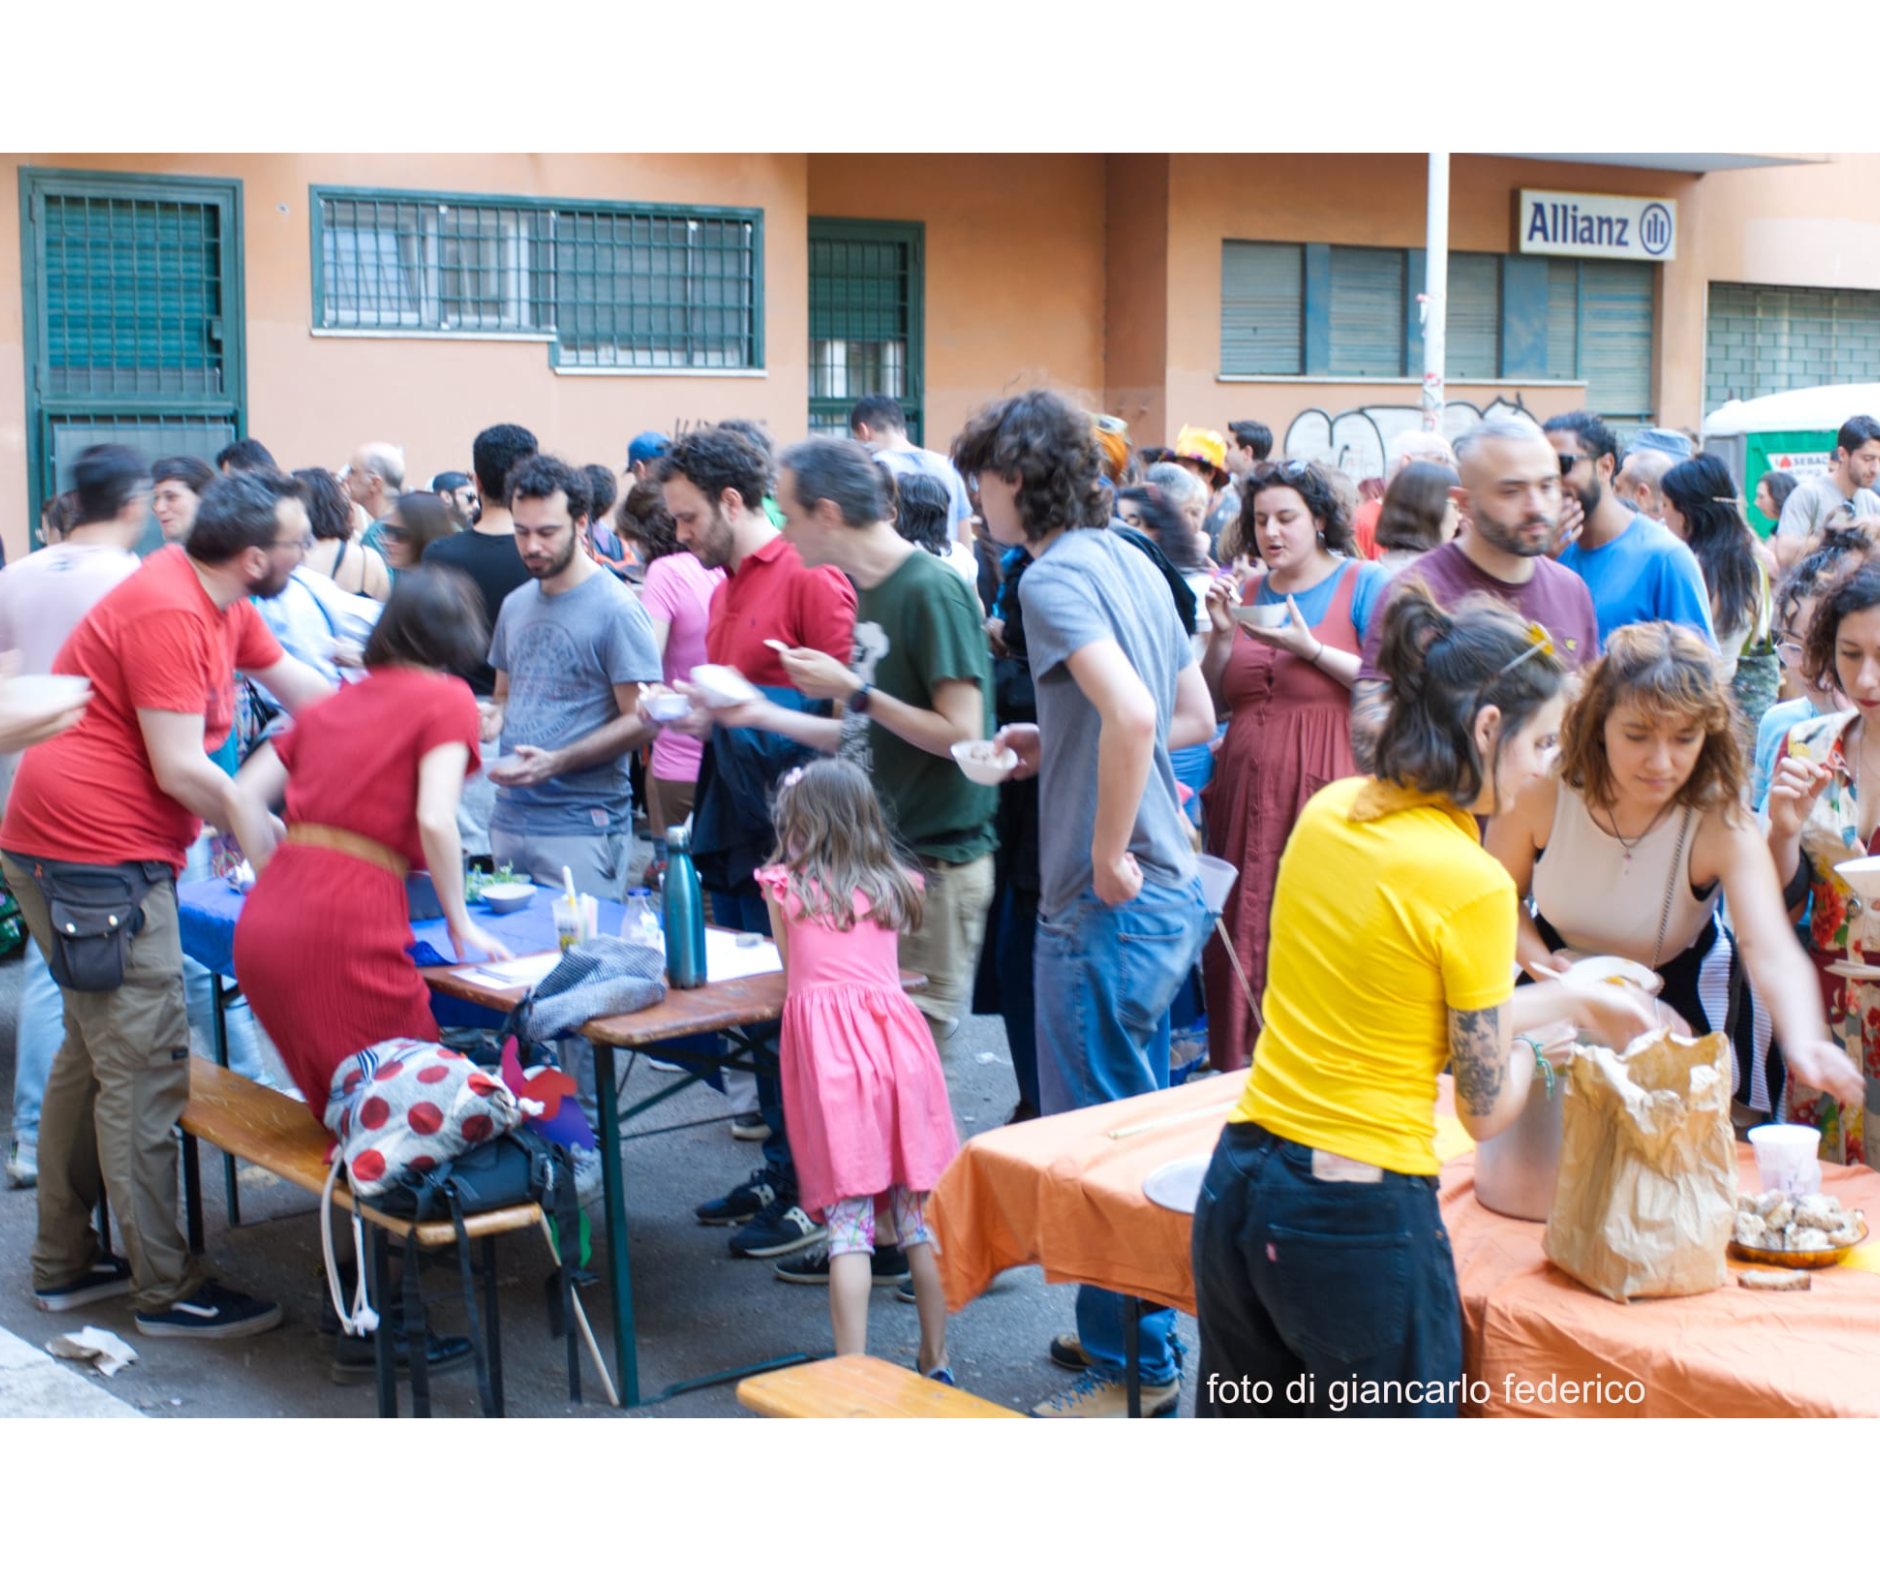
1837 918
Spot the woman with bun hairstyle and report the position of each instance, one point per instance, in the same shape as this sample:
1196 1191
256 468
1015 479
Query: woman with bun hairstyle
1392 954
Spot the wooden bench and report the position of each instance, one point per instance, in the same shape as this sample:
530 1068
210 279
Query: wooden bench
280 1135
859 1387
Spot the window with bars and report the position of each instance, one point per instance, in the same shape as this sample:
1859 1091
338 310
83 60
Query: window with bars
865 319
611 286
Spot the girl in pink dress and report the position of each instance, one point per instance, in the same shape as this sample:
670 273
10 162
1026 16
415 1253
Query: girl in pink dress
863 1093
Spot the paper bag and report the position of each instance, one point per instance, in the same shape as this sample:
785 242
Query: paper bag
1647 1194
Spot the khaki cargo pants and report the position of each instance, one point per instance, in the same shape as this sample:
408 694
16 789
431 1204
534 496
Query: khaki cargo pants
946 947
117 1088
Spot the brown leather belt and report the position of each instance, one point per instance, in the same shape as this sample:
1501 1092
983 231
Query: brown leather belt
311 835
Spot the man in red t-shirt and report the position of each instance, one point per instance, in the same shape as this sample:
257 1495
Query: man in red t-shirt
714 482
97 828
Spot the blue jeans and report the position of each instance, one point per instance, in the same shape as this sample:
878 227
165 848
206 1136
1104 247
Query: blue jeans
41 1033
1104 979
753 914
244 1056
1346 1282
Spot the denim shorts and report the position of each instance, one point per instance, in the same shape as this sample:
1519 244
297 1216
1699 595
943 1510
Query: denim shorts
1321 1298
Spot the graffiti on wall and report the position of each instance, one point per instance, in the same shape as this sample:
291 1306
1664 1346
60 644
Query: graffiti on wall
1358 441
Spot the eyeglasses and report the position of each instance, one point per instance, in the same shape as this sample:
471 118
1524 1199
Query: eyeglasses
298 544
393 533
1538 640
1789 648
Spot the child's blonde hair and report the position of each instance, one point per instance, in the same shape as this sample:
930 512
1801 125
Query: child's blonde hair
834 841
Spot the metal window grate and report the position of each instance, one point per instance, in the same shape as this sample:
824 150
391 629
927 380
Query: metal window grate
613 286
133 297
864 320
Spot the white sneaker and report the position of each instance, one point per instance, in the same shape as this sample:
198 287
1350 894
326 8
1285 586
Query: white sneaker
23 1162
588 1182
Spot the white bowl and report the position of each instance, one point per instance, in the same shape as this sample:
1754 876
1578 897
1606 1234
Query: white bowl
668 708
982 764
1863 875
1609 967
47 694
722 686
1262 615
505 897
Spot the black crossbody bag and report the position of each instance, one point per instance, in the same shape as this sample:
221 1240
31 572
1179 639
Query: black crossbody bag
95 910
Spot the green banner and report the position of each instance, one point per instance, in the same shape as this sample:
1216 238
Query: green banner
1801 454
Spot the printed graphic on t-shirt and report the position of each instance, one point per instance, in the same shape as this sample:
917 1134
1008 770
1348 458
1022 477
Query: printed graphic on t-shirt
871 645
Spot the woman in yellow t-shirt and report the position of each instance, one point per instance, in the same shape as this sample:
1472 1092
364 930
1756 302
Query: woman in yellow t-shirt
1323 1274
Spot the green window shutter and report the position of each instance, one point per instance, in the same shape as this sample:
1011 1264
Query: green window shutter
865 319
1262 308
1474 317
1616 350
1366 312
1563 318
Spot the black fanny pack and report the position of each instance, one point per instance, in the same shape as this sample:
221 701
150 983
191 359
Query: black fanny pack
95 910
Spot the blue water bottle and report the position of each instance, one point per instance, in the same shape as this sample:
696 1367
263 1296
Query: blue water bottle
685 913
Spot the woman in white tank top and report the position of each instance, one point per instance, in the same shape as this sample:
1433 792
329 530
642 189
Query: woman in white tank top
1629 848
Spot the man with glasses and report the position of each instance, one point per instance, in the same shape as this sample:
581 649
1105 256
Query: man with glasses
1510 495
1842 497
100 821
458 494
1636 570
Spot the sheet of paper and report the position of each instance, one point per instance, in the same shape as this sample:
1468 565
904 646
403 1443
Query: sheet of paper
516 971
726 960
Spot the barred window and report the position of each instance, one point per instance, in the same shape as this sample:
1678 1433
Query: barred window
611 286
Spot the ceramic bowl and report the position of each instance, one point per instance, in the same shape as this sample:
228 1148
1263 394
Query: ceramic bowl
505 897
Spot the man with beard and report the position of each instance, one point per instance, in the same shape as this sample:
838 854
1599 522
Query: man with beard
715 480
458 494
1636 570
99 822
570 650
1510 495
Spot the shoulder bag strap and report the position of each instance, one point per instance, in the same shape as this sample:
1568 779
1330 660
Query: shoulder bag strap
1671 888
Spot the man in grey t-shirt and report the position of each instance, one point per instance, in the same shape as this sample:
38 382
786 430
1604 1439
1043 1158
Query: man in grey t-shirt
1121 914
1841 497
571 651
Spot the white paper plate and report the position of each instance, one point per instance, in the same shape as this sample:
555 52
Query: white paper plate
1855 971
1177 1185
47 694
724 686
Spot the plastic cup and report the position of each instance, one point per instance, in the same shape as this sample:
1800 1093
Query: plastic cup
1787 1158
569 922
1217 881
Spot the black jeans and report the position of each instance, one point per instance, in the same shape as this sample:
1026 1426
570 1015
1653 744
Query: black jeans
1317 1298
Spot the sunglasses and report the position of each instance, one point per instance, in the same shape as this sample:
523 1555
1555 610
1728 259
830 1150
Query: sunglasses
1568 461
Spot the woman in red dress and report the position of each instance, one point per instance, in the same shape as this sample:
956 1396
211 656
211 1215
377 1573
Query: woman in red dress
1287 693
372 778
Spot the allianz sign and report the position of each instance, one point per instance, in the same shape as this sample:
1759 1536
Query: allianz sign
1580 224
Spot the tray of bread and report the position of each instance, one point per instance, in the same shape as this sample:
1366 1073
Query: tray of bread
1810 1233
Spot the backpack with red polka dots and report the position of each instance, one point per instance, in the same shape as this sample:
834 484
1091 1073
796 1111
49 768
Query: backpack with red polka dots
414 1106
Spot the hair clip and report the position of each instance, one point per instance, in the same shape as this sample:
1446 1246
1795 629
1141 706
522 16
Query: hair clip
792 777
1537 640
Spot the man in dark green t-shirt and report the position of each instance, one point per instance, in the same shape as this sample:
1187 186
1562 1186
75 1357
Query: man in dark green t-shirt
921 682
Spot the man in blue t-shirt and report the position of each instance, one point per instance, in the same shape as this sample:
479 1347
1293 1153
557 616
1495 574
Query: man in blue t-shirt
880 425
1636 570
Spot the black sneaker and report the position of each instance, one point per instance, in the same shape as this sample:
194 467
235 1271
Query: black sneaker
355 1361
758 1192
1068 1353
212 1312
812 1268
781 1226
109 1277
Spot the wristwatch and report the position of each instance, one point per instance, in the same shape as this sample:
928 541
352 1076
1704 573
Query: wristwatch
858 702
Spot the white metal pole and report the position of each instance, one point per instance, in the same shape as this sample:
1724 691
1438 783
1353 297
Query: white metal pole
1435 298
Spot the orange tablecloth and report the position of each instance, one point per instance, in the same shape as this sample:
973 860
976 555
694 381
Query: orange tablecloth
1060 1193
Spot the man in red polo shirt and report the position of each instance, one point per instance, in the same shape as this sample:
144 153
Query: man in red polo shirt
98 825
715 482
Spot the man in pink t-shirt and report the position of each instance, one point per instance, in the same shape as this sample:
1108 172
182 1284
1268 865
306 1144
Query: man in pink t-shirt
677 596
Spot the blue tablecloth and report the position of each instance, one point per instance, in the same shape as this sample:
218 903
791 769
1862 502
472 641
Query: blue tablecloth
208 910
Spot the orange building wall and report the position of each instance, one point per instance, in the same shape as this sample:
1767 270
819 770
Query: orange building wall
314 399
1136 298
1015 266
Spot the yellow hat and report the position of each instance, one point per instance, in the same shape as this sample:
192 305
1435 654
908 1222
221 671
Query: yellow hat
1198 443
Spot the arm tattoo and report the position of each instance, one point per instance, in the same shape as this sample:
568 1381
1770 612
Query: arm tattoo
1370 705
1476 1058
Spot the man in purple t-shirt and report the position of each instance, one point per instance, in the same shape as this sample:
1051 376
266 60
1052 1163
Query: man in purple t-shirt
1510 495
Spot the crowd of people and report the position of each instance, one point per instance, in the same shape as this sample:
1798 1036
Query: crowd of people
1383 705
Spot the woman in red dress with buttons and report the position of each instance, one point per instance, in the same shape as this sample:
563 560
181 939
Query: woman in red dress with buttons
1287 693
372 778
